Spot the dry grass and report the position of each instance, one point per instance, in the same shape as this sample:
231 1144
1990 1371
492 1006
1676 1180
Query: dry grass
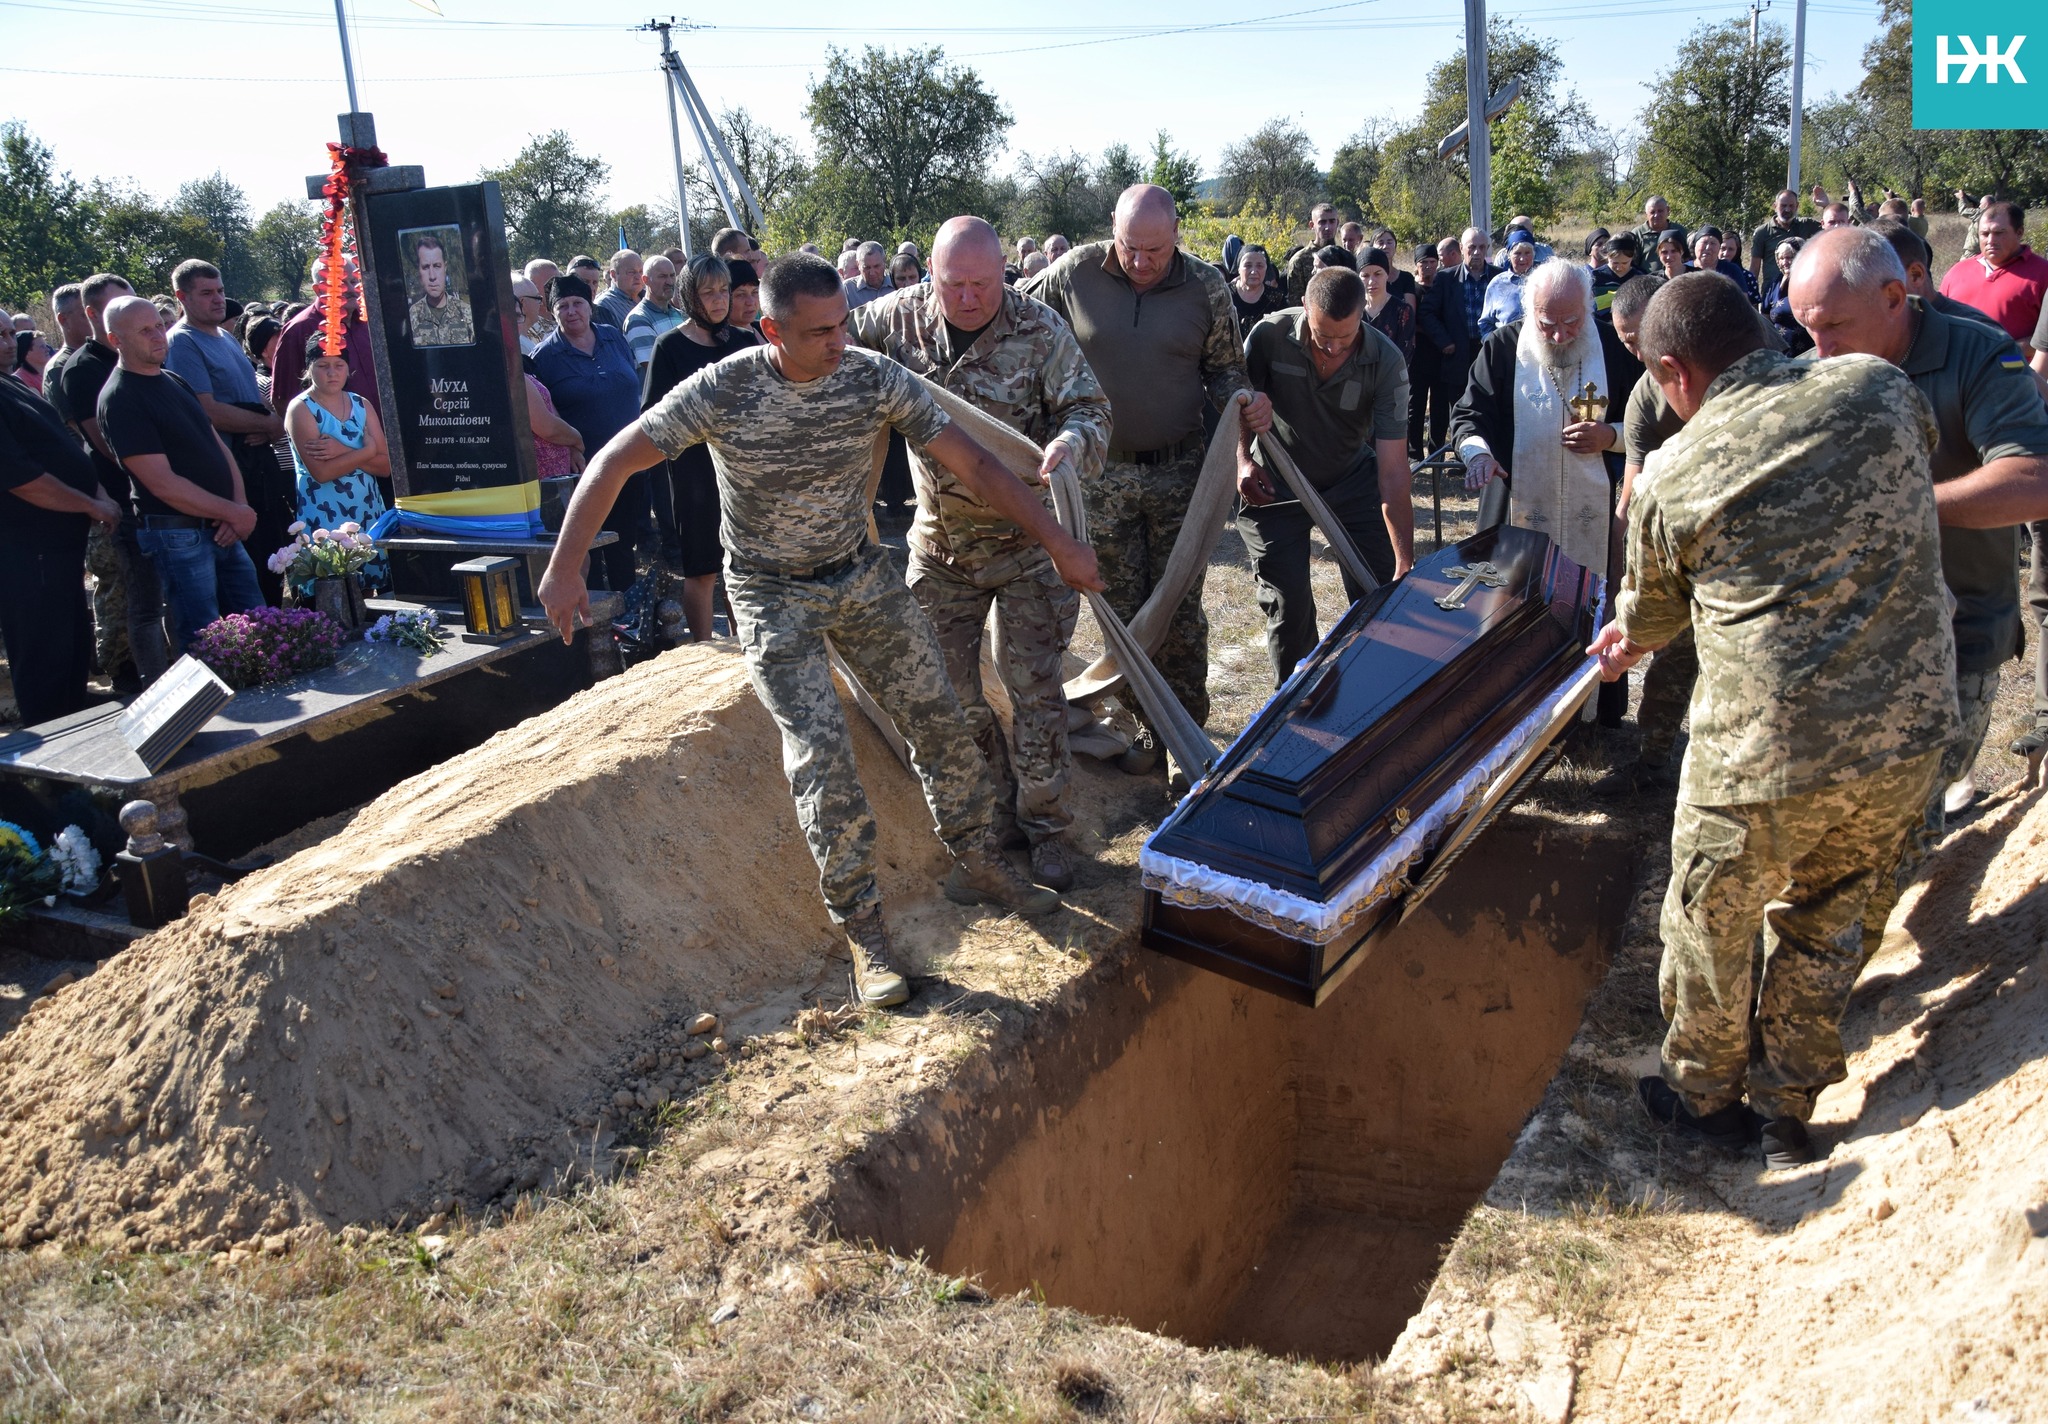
597 1304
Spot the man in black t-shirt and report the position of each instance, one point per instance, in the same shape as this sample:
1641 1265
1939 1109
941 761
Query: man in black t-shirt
128 604
50 498
188 489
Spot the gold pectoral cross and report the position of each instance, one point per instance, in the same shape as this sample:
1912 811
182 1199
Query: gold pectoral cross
1589 404
1470 578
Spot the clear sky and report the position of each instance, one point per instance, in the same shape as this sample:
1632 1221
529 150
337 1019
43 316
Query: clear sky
160 91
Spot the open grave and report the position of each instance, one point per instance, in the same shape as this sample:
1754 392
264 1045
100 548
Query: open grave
1193 1156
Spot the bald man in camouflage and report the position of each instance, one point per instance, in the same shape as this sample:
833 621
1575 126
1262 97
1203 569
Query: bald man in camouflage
1015 359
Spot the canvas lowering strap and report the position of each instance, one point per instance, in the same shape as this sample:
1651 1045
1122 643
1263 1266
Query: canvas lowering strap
1319 511
1126 659
1127 648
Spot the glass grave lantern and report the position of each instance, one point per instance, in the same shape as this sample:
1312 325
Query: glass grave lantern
490 598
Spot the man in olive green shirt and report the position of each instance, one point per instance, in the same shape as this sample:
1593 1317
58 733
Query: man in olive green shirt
1340 409
1160 333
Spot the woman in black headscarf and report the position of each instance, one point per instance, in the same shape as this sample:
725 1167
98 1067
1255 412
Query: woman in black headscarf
692 484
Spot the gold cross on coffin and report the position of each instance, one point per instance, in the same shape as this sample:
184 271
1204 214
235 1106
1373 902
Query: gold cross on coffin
1589 404
1470 578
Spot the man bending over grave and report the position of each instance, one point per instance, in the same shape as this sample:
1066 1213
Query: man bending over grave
792 427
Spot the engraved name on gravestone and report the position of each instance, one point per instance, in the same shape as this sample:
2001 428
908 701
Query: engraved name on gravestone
439 289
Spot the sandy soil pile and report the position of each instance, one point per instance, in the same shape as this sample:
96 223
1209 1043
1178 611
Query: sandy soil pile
1902 1277
447 997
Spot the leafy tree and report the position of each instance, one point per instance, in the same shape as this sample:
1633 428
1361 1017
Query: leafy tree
1417 191
1522 181
1276 163
1714 131
1589 181
1057 193
143 240
550 193
1868 134
1202 231
768 160
903 140
648 229
44 239
1881 142
1178 173
1355 167
218 203
283 242
1118 170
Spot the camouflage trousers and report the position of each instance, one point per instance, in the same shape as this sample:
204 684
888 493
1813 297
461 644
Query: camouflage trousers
109 601
1801 870
1976 694
1134 517
1667 693
883 635
1035 615
127 605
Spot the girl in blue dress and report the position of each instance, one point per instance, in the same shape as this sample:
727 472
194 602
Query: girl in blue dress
337 446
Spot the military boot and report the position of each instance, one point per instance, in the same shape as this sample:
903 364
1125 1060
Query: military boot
877 982
1051 865
1143 756
1726 1128
981 875
1785 1143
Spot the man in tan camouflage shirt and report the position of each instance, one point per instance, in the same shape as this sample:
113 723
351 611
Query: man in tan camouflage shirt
792 427
1015 359
1160 333
1791 524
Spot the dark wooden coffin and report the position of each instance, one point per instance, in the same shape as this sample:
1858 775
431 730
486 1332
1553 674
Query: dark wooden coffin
1304 841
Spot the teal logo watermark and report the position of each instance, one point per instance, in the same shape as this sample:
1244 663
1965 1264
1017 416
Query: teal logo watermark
1971 71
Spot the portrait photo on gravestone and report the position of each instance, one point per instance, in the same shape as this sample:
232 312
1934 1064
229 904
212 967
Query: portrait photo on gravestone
437 313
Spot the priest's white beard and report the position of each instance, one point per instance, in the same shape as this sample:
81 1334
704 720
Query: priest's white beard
1559 360
1560 492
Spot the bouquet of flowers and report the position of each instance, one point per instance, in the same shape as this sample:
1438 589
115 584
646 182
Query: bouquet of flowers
323 553
267 644
26 874
76 861
419 629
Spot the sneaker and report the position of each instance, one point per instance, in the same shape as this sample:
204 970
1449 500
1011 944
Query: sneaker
1785 1143
1143 757
1726 1128
1050 865
877 982
983 876
1959 797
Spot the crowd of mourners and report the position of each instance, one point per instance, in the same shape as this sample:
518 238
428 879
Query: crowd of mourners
1805 471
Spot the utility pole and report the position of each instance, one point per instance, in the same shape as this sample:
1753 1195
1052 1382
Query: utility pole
704 128
675 136
348 63
1756 10
1478 142
1798 89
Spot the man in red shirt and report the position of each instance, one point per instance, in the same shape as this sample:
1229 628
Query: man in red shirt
2007 278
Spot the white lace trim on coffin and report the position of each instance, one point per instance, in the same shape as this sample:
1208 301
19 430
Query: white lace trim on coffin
1198 887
